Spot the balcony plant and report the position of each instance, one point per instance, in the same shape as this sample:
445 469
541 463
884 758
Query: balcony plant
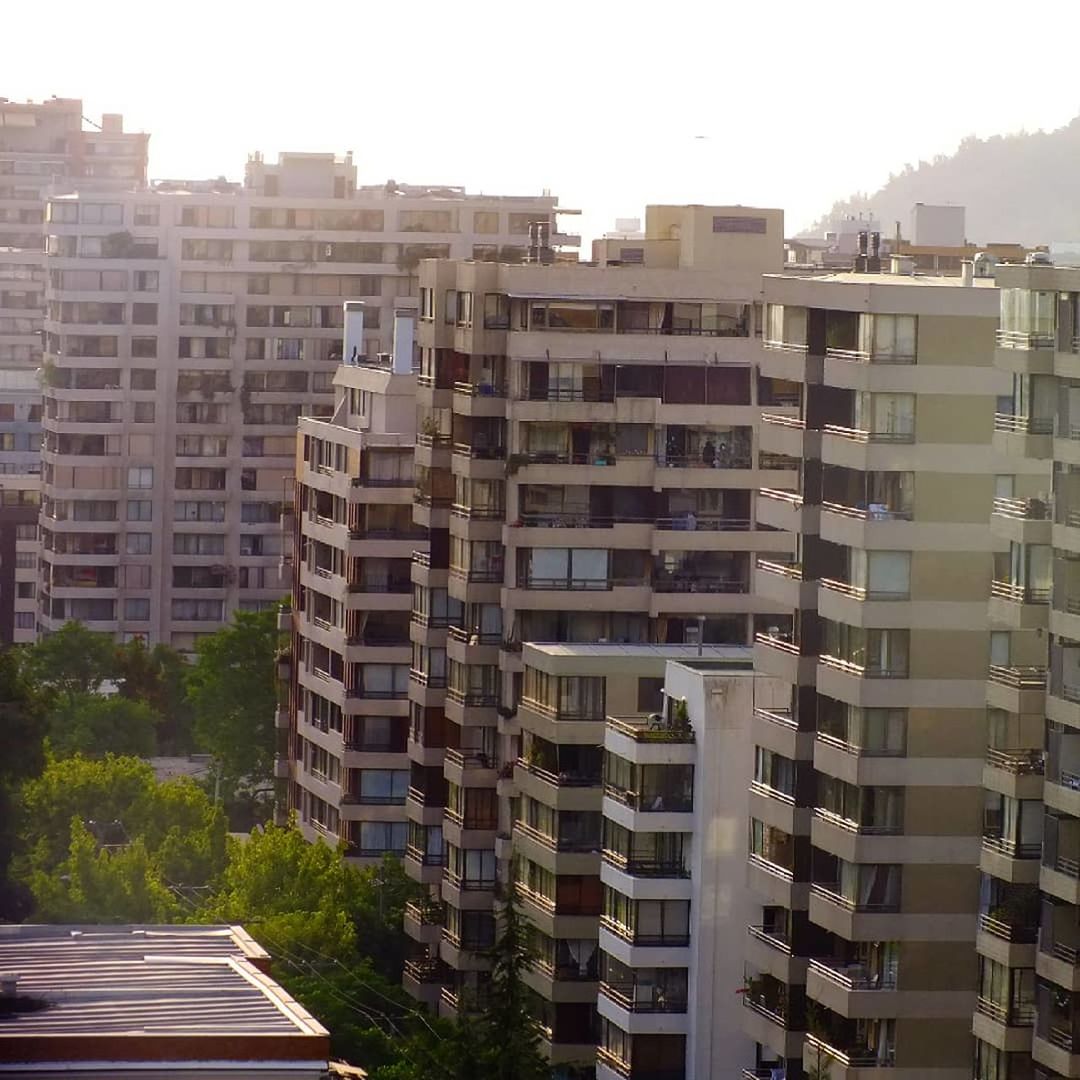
680 716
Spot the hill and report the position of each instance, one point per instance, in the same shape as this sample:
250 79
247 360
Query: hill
1019 187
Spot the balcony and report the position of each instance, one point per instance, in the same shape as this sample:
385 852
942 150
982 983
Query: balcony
768 949
1019 689
856 448
1007 934
775 654
1014 771
851 990
1010 858
783 583
1023 436
1004 1025
767 1019
1022 521
788 435
1024 353
423 921
651 728
1059 875
851 1058
873 526
1019 606
784 510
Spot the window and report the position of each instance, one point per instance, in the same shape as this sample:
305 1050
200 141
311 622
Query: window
144 280
427 221
140 510
141 476
726 223
146 214
144 314
144 348
138 543
143 378
519 223
650 694
377 837
198 544
24 620
144 412
382 787
197 610
198 511
137 608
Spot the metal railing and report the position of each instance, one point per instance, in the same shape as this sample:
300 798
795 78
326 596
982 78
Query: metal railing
1012 424
853 976
1023 933
1019 594
650 727
1020 761
1018 1015
772 938
864 356
780 420
871 512
1024 339
856 1057
1026 677
1022 509
860 435
791 571
858 592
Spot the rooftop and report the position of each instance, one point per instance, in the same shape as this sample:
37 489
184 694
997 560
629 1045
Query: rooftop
850 277
153 994
713 653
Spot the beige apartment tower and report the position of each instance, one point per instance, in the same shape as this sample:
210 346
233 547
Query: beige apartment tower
587 464
188 328
867 803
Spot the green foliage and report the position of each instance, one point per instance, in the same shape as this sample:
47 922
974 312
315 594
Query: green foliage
73 660
233 691
509 1032
88 723
103 886
171 832
158 678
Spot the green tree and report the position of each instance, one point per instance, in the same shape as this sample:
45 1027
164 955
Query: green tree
73 660
91 724
118 800
103 885
22 756
157 677
233 690
509 1033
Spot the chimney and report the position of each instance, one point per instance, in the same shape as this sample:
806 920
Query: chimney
404 333
353 345
967 272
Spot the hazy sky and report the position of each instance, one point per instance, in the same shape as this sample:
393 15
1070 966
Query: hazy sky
799 102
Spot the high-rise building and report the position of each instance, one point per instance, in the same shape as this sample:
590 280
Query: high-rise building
867 798
586 465
188 328
44 146
1027 1019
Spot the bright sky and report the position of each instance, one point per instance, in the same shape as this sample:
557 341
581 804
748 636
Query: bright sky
609 103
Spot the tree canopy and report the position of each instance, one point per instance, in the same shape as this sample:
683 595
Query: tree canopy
233 690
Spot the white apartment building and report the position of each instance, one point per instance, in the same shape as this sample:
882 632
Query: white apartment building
188 328
676 901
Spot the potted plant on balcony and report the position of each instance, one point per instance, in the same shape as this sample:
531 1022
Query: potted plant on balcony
680 716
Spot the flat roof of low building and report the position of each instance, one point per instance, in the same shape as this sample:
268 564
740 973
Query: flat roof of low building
660 652
97 997
851 277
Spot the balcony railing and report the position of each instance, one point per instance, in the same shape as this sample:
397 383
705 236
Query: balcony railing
626 996
1012 424
860 435
1023 932
1020 761
1020 594
862 671
1026 677
791 571
775 939
855 1057
859 592
871 512
1018 1015
1010 846
1062 864
424 971
863 356
650 727
783 421
776 716
837 820
764 1008
1022 509
469 759
629 934
645 867
699 584
1024 339
830 891
854 976
654 802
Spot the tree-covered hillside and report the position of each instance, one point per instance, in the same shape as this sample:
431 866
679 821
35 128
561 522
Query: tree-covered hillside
1017 188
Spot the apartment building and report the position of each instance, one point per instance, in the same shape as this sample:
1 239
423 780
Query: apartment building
188 328
586 465
352 601
867 804
625 832
1027 1023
